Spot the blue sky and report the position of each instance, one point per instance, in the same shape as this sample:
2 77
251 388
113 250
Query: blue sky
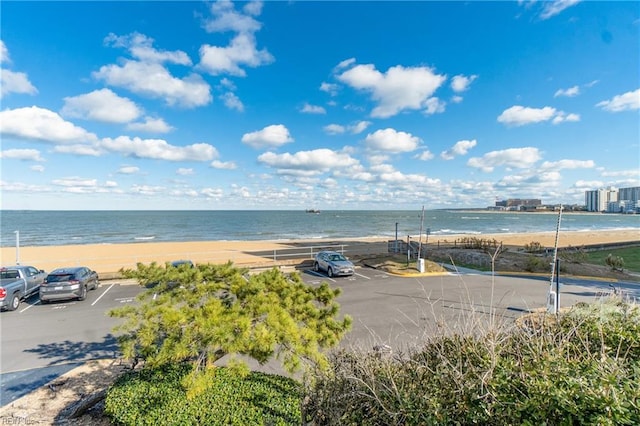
330 105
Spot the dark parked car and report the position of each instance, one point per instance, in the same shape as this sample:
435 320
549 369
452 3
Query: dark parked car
333 262
68 283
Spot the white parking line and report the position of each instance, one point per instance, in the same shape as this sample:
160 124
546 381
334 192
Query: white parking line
103 293
317 274
363 276
29 307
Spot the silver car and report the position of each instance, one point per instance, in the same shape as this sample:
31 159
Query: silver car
68 283
333 263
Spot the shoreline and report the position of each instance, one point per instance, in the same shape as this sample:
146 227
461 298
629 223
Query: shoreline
111 257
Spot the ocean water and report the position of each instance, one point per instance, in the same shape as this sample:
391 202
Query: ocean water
41 228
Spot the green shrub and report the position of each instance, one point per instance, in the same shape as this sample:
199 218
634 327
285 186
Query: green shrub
536 264
533 247
615 262
581 369
158 397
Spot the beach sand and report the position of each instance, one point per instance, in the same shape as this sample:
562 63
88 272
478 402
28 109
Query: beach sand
109 258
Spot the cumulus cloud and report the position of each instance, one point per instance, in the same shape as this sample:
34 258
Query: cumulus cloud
570 92
21 154
101 105
224 165
391 140
128 170
354 128
79 149
141 47
461 83
425 155
330 88
519 116
42 125
232 101
313 109
183 171
459 148
242 50
150 125
316 161
153 80
271 136
12 81
568 164
398 89
512 157
158 149
626 102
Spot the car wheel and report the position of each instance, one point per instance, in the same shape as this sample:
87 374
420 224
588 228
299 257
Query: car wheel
316 267
83 293
95 285
15 302
330 272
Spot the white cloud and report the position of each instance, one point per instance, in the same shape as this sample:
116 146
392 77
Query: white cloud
182 171
554 7
459 148
21 154
242 50
43 125
224 165
79 149
330 88
334 129
512 157
153 80
359 127
75 181
570 92
150 125
434 106
228 60
231 101
391 140
11 81
212 192
274 135
315 161
128 170
101 105
158 149
400 88
313 109
4 53
623 173
625 102
15 82
519 116
460 83
425 155
568 164
141 47
37 168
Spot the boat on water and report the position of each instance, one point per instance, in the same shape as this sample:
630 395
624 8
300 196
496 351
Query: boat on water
316 211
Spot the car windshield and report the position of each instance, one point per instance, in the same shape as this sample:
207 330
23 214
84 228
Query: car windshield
337 257
59 278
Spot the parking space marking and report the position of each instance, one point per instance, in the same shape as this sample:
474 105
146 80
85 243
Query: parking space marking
316 274
363 276
125 299
103 293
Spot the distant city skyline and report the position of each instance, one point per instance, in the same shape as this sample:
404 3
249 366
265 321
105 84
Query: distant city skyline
327 105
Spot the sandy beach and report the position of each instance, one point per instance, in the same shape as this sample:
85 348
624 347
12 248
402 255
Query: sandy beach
110 258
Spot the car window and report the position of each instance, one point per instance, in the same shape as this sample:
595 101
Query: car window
337 257
59 278
9 274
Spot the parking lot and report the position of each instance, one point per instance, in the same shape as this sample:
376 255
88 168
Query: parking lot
386 310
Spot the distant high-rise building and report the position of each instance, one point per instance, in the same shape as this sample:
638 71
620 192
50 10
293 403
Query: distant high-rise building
598 200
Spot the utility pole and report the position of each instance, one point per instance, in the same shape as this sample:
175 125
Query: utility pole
553 302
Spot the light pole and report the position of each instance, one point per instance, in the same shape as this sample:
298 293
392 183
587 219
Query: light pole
17 247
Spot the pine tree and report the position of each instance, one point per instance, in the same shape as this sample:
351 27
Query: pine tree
201 314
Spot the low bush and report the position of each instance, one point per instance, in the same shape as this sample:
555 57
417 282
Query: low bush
582 369
615 262
157 397
536 264
533 247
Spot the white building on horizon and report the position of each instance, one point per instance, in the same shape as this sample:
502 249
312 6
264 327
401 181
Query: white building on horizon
612 200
